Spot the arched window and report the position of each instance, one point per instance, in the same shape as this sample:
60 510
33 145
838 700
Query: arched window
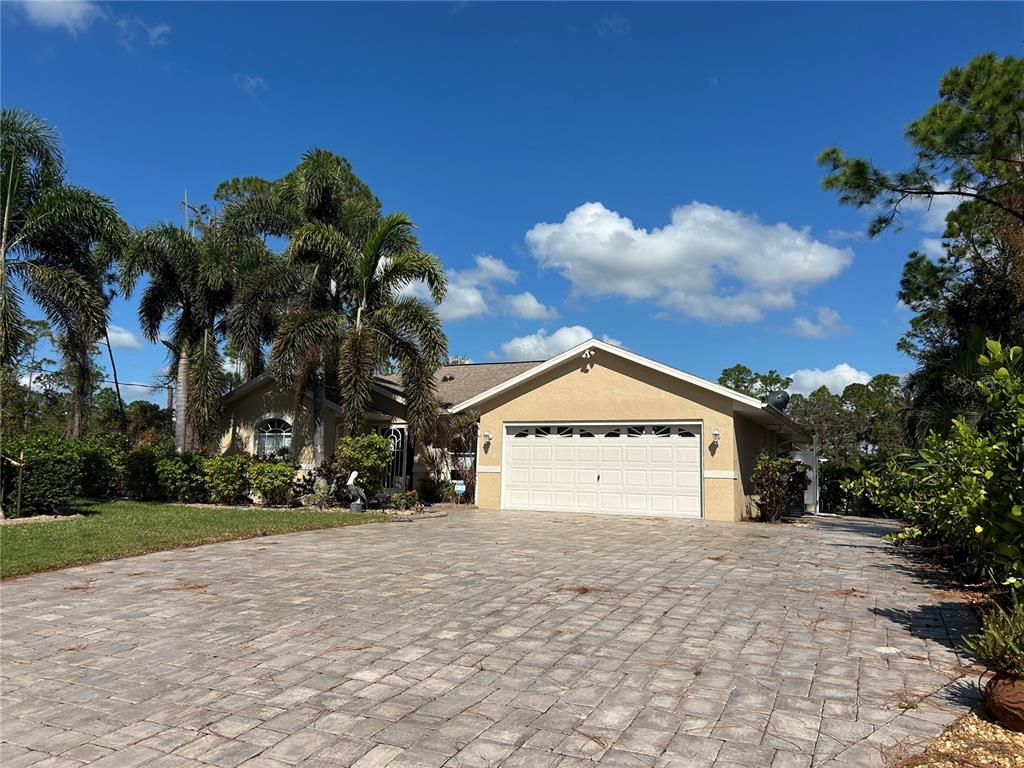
273 436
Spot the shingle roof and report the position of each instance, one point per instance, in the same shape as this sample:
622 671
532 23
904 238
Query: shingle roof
456 383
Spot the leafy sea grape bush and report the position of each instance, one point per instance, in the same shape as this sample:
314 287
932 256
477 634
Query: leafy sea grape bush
369 455
51 476
272 480
181 477
779 482
965 491
227 479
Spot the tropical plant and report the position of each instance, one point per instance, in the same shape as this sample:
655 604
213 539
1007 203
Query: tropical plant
370 455
141 479
965 491
181 477
56 246
192 279
342 284
272 480
227 478
1000 643
779 482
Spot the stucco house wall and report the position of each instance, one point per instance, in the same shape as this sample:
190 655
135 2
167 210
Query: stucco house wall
610 388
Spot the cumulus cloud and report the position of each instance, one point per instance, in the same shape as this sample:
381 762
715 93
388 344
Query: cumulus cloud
806 380
476 292
826 323
528 307
542 345
707 262
74 16
122 338
250 84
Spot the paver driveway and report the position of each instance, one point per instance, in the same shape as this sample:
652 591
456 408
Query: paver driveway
514 639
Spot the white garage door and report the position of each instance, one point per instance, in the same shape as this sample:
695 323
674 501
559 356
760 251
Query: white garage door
626 469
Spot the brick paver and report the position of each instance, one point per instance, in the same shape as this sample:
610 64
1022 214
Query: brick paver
486 639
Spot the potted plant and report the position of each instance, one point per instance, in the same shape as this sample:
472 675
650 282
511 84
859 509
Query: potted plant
1000 644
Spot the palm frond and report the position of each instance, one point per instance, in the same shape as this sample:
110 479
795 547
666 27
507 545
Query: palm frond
207 383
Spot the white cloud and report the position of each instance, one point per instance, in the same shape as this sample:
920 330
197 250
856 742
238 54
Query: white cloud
707 262
474 292
613 25
250 84
806 380
542 345
526 306
73 15
137 390
826 323
122 338
131 28
932 247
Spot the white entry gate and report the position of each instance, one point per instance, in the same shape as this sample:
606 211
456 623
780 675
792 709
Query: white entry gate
627 469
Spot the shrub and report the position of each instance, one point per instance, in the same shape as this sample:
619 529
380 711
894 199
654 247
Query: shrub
405 500
50 478
272 480
140 476
965 491
104 463
227 478
181 477
433 490
1000 643
779 482
319 481
369 455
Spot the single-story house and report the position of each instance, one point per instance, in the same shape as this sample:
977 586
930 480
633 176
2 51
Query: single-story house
597 428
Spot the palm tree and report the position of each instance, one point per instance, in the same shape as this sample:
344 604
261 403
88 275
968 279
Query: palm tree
192 279
56 243
372 321
317 206
337 290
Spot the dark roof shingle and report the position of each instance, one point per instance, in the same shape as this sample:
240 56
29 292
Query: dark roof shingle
456 383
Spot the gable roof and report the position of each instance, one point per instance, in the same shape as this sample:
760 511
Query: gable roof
596 345
457 383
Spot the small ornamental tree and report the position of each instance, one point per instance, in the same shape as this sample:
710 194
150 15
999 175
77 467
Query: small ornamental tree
779 482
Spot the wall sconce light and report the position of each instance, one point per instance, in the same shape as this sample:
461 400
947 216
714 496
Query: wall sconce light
488 437
716 436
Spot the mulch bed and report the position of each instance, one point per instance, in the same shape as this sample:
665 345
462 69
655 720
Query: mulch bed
38 519
973 741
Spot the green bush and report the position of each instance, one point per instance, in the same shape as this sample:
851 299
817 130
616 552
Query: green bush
272 480
779 482
965 491
433 491
141 480
1000 643
50 478
181 477
405 500
227 478
369 455
104 460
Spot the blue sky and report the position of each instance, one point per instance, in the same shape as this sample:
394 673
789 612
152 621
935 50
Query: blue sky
643 173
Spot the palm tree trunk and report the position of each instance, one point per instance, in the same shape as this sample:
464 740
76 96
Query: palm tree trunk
117 386
80 386
319 395
181 402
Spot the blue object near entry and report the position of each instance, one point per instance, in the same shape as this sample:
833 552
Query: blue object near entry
460 487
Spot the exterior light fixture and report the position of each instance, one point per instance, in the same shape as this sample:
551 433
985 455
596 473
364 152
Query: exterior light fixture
716 436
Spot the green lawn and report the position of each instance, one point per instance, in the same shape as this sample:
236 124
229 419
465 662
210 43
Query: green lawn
123 528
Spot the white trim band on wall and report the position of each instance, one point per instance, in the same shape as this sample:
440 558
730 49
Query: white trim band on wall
489 469
719 474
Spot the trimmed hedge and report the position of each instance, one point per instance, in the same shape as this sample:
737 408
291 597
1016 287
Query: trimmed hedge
50 479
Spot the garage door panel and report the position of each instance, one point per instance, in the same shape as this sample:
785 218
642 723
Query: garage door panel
638 469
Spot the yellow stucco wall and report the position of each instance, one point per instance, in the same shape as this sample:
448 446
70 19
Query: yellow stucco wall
614 389
751 439
271 401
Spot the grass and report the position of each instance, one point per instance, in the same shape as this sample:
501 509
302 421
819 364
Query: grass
111 530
